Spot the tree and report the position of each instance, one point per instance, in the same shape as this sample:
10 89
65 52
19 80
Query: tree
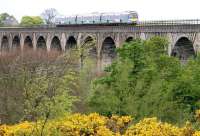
146 82
115 89
7 20
31 21
47 96
38 86
49 15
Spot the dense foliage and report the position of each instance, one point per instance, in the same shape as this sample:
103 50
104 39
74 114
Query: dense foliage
36 85
31 21
143 82
42 85
146 82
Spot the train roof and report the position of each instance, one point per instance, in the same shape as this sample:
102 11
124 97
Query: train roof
103 13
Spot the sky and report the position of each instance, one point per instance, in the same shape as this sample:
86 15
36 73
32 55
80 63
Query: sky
147 9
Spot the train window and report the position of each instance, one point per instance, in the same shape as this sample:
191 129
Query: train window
96 19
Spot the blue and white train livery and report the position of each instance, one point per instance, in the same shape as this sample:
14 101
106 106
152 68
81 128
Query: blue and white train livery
100 18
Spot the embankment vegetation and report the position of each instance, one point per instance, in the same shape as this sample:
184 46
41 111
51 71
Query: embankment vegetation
47 89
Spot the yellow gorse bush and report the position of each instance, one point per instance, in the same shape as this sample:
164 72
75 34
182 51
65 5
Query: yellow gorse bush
71 125
97 125
152 127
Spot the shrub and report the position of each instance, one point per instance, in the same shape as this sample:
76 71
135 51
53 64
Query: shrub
71 125
97 125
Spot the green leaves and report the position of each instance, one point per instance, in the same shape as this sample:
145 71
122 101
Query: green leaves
145 81
31 21
38 86
7 20
47 96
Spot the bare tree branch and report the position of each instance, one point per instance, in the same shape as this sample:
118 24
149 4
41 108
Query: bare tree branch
49 15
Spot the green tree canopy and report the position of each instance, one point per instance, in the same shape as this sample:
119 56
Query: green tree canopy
7 20
31 21
146 82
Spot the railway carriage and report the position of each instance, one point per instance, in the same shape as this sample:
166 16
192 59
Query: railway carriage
99 18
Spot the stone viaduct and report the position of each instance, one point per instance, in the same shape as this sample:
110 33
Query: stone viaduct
184 38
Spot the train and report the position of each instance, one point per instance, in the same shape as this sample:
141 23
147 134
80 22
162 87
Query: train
99 18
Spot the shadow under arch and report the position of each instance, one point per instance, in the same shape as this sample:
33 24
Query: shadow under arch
28 43
183 49
129 39
5 44
89 44
16 42
55 44
88 49
41 43
71 43
108 51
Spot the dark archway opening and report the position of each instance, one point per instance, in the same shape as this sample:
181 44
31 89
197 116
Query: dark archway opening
90 46
5 44
41 43
16 43
55 44
183 49
108 51
28 43
88 49
71 43
129 39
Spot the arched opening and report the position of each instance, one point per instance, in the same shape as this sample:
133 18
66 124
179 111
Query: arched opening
90 45
129 39
108 52
41 43
71 43
183 49
88 49
16 43
28 42
55 44
5 44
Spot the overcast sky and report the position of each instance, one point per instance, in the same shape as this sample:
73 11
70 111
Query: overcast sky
147 9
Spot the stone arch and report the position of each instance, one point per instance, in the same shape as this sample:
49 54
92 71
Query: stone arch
88 49
16 42
89 45
56 44
28 43
108 51
88 39
43 35
71 42
110 35
129 39
176 36
183 49
5 43
41 42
